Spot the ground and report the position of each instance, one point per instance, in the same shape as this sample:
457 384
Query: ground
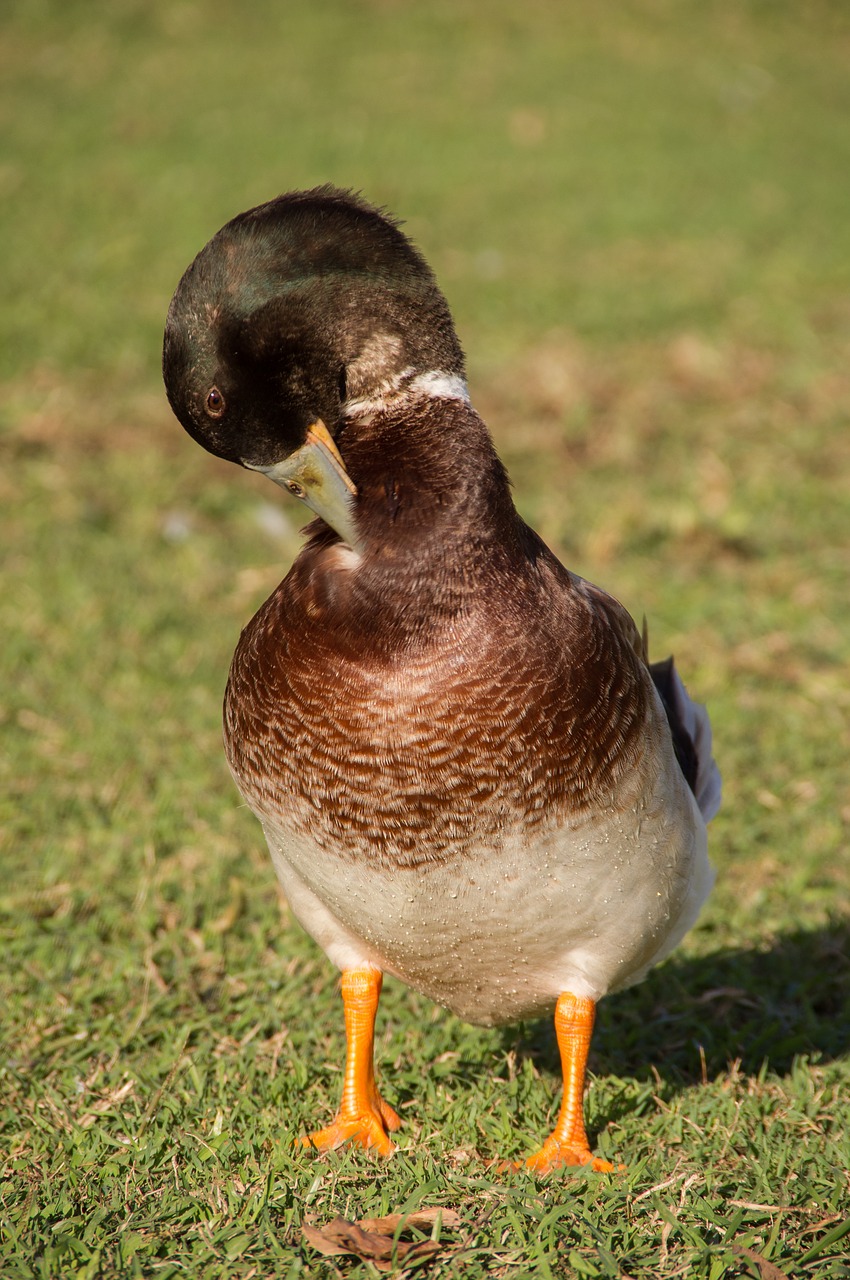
640 222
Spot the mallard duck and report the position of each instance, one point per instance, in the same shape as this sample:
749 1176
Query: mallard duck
467 771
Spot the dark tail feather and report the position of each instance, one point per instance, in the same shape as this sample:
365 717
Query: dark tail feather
691 731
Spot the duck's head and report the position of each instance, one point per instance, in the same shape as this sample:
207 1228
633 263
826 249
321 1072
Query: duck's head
294 315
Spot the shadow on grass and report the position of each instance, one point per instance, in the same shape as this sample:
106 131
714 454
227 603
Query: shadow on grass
749 1006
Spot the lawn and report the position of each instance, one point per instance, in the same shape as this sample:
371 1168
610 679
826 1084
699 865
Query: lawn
639 214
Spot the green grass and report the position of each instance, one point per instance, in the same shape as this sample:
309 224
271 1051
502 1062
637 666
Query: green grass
639 214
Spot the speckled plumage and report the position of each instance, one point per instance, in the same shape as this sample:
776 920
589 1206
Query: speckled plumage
476 683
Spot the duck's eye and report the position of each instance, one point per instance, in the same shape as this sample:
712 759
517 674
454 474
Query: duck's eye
215 403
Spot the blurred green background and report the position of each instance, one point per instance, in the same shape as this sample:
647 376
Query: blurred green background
624 174
639 214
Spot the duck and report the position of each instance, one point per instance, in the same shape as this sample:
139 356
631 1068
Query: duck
468 772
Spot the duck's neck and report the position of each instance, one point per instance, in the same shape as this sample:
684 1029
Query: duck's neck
429 482
438 529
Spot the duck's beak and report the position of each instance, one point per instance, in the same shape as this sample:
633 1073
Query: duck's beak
315 473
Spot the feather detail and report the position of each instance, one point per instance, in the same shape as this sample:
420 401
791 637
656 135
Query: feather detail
691 730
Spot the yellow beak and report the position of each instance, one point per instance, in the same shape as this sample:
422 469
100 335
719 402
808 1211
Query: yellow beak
316 475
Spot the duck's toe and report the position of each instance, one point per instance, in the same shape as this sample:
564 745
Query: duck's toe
390 1117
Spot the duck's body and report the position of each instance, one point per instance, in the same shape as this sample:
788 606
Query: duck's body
449 802
457 749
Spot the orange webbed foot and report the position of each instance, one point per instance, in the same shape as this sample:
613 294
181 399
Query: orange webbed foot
553 1155
368 1130
567 1145
363 1117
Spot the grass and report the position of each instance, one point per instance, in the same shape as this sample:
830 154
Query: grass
640 221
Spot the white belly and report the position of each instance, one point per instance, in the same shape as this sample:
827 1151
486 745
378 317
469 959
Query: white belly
587 907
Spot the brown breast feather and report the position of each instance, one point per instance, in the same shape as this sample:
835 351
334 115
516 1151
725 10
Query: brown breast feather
409 710
484 729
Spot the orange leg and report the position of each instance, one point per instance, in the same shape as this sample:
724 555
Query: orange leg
363 1115
567 1144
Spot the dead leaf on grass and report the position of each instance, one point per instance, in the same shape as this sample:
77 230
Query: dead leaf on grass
374 1239
767 1270
422 1220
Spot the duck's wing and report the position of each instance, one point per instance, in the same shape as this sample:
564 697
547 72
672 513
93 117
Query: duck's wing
691 730
689 724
